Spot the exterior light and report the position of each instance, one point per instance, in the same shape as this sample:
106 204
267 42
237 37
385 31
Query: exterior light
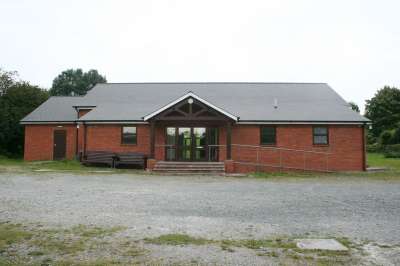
190 101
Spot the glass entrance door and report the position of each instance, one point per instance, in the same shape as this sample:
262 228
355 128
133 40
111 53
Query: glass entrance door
200 144
170 147
191 144
184 144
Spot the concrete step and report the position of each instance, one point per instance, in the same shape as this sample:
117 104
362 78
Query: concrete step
189 167
190 163
188 170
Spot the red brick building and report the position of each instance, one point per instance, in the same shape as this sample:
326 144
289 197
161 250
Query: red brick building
246 126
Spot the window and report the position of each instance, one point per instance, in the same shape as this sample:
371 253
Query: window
268 135
320 135
128 135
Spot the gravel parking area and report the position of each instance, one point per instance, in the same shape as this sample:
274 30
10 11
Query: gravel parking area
212 207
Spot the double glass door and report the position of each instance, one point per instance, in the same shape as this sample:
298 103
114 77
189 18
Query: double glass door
191 144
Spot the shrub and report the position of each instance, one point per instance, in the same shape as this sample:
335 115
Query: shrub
396 136
386 137
375 147
392 151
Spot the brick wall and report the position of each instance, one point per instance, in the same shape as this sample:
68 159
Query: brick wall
345 145
108 137
345 148
82 112
39 141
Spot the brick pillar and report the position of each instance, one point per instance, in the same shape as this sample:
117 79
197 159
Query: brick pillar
228 140
150 164
229 166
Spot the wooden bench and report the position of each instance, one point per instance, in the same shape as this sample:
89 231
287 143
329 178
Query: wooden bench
99 157
131 159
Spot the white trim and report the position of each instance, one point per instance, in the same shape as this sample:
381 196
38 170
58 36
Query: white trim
115 123
84 108
190 94
45 123
300 123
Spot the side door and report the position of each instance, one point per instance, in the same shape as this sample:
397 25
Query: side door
59 145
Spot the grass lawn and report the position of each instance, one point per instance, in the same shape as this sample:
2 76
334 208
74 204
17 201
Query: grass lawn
391 165
86 245
19 165
373 160
378 160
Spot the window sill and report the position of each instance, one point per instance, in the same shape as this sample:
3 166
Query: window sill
321 145
268 145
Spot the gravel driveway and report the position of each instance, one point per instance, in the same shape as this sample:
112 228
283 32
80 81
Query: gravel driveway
212 207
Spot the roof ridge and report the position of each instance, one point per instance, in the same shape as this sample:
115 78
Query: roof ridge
68 96
212 82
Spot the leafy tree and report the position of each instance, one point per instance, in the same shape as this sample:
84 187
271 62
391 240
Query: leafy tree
7 78
396 136
20 99
386 137
384 110
354 107
75 82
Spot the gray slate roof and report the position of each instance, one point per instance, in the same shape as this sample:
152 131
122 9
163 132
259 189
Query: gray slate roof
297 102
55 109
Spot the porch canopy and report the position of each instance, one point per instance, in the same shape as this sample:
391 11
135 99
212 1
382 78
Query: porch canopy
191 109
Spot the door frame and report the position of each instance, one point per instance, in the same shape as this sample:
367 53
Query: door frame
193 147
54 144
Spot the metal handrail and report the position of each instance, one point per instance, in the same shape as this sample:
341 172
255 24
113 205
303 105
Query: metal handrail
259 148
279 148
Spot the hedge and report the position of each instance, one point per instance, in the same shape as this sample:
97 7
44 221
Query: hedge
392 151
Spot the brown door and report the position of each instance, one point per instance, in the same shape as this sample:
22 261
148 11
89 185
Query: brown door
60 144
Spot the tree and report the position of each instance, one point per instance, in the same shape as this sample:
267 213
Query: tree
75 82
354 107
7 78
384 110
20 99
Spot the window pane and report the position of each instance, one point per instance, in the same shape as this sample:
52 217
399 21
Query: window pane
129 135
213 136
171 136
320 139
268 135
320 135
171 153
320 131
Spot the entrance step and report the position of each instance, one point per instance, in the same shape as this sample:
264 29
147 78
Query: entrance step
190 167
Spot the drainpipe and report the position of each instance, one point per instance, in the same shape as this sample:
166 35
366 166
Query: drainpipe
84 138
77 133
363 148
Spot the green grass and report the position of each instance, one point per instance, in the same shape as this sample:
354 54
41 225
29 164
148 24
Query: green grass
67 246
392 171
86 231
63 246
19 165
98 262
10 161
177 239
378 160
11 234
227 244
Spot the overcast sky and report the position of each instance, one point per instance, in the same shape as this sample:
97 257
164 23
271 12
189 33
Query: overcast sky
352 45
